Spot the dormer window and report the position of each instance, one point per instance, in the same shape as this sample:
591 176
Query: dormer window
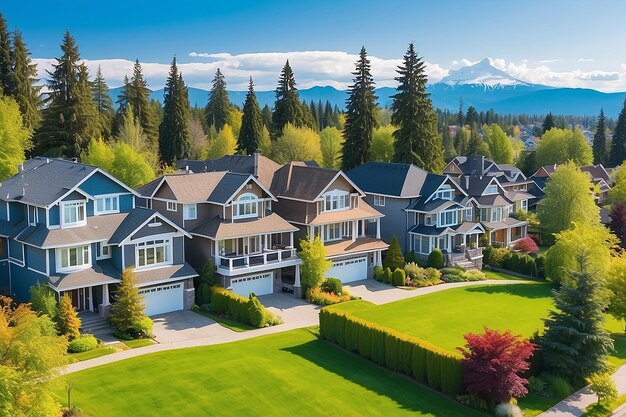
73 214
107 204
336 200
491 189
444 193
245 206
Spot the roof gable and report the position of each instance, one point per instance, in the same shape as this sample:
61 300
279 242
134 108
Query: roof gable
390 179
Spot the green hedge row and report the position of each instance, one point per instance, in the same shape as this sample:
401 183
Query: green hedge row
227 302
440 369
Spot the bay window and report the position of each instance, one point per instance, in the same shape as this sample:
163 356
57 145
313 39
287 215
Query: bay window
245 206
107 204
336 200
68 259
154 252
73 214
447 218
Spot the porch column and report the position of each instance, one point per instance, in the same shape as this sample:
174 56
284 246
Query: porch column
267 243
216 252
378 228
508 237
297 288
105 294
90 298
291 239
105 308
355 230
379 257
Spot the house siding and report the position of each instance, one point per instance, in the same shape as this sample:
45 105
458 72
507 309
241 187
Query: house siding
394 222
17 211
178 254
100 184
22 280
55 219
36 258
152 231
129 256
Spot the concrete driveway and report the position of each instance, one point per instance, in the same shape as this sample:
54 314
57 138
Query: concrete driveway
294 311
185 325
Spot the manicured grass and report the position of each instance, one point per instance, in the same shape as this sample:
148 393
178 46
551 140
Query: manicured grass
286 374
137 343
444 317
534 404
91 354
501 276
604 410
233 325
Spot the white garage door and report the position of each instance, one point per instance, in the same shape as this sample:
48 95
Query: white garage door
163 299
348 270
260 284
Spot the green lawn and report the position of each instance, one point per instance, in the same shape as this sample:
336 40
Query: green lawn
443 318
137 343
286 374
231 324
94 353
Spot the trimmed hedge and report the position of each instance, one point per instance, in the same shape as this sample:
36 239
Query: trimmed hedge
399 277
83 343
429 364
245 310
436 259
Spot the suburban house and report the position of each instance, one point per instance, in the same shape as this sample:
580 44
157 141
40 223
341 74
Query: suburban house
76 228
230 217
423 210
598 175
317 202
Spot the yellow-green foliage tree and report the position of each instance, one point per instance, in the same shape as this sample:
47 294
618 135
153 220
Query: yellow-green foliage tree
592 243
617 193
314 263
31 353
331 142
265 143
67 319
558 146
14 137
224 144
499 144
567 199
297 144
234 119
382 146
616 284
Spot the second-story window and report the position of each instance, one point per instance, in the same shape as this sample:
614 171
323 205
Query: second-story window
445 193
107 204
73 214
154 252
525 205
468 214
379 200
69 259
190 212
447 218
172 206
333 231
491 189
336 200
496 214
245 206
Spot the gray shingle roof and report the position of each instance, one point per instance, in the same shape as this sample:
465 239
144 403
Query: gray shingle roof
11 229
395 179
43 181
438 204
131 222
301 182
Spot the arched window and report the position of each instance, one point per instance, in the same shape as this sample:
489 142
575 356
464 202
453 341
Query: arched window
245 206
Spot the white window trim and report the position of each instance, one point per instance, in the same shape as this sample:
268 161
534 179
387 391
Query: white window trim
327 237
168 254
445 192
59 264
186 213
169 205
76 203
379 200
99 255
441 217
97 212
487 192
338 194
241 201
524 205
468 214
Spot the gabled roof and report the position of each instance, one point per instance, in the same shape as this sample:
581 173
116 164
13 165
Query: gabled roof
217 228
474 165
303 182
390 179
597 172
545 171
44 181
133 221
475 185
436 205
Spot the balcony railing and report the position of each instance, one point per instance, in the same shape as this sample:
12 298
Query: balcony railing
231 262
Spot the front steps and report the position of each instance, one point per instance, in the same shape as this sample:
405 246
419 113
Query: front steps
92 323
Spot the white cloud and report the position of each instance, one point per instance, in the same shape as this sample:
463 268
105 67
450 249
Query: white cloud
586 60
548 61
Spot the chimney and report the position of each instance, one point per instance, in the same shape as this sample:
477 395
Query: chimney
20 167
467 183
256 163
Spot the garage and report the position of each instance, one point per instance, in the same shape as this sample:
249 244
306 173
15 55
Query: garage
163 299
259 284
349 269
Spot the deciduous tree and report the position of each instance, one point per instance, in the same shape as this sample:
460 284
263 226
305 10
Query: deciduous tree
558 146
224 144
14 137
314 262
382 144
331 142
67 319
499 144
297 144
617 223
617 193
616 284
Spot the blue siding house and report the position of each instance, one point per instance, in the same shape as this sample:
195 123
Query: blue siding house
76 228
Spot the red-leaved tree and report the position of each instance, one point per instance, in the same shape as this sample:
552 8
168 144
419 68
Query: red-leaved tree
526 244
617 223
492 363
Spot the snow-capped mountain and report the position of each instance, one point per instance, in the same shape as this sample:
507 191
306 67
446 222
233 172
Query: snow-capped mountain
482 74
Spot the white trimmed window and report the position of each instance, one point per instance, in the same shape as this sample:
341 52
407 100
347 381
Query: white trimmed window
491 189
444 193
107 204
75 258
172 206
484 215
468 214
525 205
333 232
190 211
73 214
245 206
379 200
421 244
153 253
496 214
336 200
104 251
447 218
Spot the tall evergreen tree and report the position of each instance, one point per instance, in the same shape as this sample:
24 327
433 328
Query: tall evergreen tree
66 125
472 116
86 111
599 141
174 133
475 143
417 139
266 116
314 115
251 124
360 115
618 144
460 141
138 94
104 104
23 83
548 123
5 57
329 119
460 117
287 107
449 152
218 106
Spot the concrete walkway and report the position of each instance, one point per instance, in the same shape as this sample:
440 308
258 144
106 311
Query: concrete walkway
575 404
172 333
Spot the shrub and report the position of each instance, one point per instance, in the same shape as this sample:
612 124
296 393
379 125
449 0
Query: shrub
128 311
496 256
204 294
82 344
379 273
332 285
43 301
433 370
388 276
314 262
393 258
399 277
536 385
433 275
391 351
365 341
224 302
473 401
604 387
453 270
436 259
508 410
321 298
405 355
474 275
410 257
412 270
526 245
67 319
256 312
450 278
418 362
558 386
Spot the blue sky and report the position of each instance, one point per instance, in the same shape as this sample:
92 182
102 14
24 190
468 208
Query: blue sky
574 43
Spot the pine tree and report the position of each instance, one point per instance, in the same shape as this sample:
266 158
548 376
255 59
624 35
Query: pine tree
618 144
460 141
5 57
548 123
417 139
87 120
67 319
474 146
138 94
449 152
218 106
575 343
174 134
394 258
472 116
287 107
128 310
251 124
23 82
460 117
599 141
360 115
64 129
104 104
313 110
266 116
329 120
